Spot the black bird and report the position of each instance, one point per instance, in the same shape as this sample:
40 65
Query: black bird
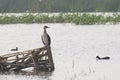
103 58
45 37
16 49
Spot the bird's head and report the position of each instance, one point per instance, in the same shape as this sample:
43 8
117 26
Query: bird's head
97 57
45 27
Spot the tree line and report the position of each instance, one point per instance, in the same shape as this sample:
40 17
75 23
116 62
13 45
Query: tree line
59 6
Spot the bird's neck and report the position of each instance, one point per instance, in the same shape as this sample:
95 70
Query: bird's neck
45 31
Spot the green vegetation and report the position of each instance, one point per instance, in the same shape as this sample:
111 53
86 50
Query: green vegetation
77 18
13 6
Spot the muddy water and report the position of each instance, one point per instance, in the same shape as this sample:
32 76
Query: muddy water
74 48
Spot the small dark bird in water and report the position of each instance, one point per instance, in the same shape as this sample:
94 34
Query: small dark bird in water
103 58
45 37
16 49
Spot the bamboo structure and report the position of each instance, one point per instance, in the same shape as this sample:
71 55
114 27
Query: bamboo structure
40 59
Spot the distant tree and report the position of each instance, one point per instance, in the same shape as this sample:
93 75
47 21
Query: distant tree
59 5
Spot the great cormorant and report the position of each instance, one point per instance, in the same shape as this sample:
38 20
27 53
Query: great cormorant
45 37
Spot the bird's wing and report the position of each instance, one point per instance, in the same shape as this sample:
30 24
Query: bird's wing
49 39
42 39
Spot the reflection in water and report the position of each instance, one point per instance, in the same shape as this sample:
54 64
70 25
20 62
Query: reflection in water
42 75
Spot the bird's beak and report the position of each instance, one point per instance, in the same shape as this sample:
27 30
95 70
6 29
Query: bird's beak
48 27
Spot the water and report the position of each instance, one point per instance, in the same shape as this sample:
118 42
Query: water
74 49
